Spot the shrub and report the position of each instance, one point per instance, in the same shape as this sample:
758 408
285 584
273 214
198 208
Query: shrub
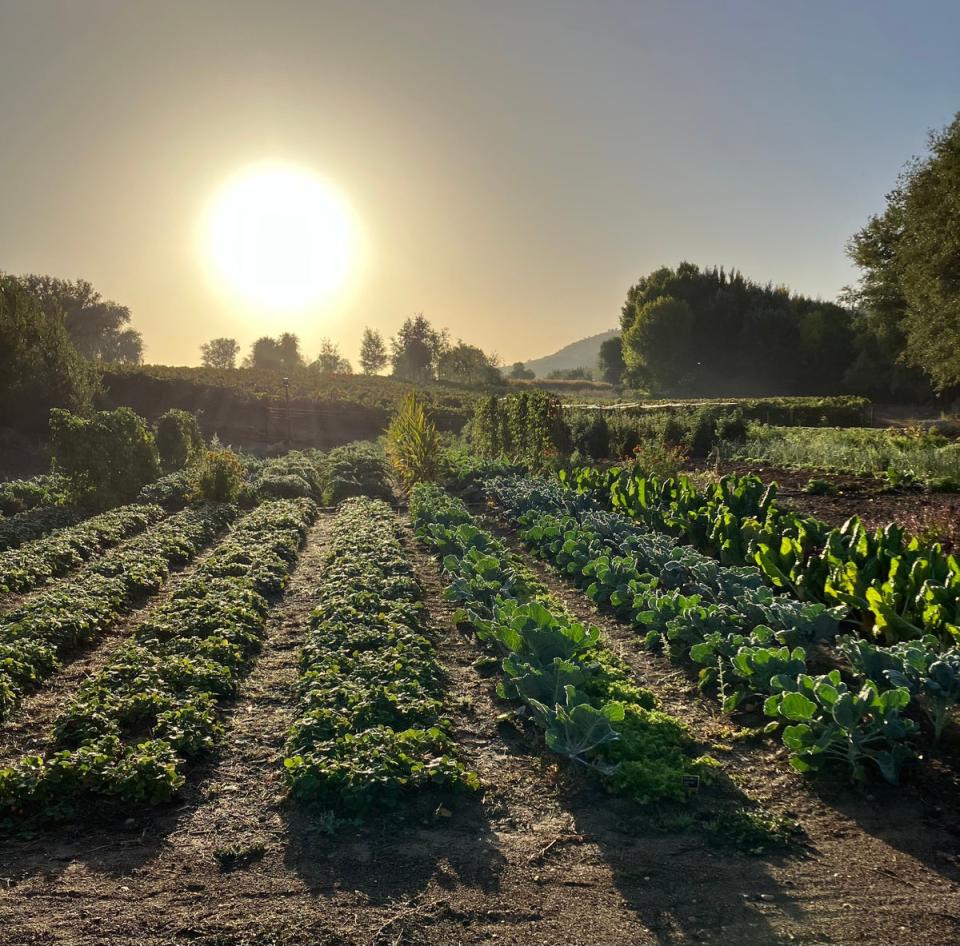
413 444
356 469
178 439
218 477
107 458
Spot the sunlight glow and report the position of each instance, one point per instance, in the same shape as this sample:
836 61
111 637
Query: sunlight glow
280 237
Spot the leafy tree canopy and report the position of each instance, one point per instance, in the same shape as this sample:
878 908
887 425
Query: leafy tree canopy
519 372
909 257
373 353
330 361
467 364
415 350
219 353
276 354
39 367
694 332
99 329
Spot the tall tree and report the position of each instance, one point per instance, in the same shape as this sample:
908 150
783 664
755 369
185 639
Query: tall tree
330 361
98 328
694 332
39 367
219 353
909 257
611 363
416 349
275 354
373 353
467 364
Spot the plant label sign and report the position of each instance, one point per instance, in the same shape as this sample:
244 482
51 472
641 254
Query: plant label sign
690 781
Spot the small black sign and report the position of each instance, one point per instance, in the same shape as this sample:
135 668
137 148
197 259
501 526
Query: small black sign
690 781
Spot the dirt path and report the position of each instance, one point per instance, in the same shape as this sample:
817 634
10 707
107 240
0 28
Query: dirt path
28 729
880 865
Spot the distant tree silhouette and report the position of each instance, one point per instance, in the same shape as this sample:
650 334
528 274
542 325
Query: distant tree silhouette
99 329
373 353
416 349
611 363
330 361
275 354
519 372
219 353
467 364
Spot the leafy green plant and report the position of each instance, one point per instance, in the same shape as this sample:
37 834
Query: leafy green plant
179 440
413 445
217 477
825 721
107 458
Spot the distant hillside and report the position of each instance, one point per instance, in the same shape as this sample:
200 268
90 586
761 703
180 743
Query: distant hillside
575 355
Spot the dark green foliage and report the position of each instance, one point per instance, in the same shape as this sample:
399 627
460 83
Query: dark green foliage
107 458
34 634
39 367
20 495
190 652
217 477
370 728
286 477
528 427
612 366
416 350
688 331
280 355
179 440
35 523
909 291
576 691
357 469
36 562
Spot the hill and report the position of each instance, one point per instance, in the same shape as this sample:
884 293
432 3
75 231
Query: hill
583 353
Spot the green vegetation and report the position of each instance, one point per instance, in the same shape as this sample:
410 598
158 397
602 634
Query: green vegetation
527 427
218 477
35 523
574 689
903 456
357 469
908 295
20 495
413 444
191 651
178 440
34 634
371 726
39 367
107 458
35 563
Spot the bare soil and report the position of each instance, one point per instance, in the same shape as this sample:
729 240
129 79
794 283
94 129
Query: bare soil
542 855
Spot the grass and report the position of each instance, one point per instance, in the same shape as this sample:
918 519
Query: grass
901 456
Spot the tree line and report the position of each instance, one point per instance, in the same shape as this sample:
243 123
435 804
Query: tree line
418 352
895 335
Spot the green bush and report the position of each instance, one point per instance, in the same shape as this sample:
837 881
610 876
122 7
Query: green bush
218 477
107 458
178 440
356 469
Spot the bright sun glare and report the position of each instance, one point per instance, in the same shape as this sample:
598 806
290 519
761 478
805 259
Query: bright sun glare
280 237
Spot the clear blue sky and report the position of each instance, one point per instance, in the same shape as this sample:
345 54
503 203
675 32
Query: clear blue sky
515 165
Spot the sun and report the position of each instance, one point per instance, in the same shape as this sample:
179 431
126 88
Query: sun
280 237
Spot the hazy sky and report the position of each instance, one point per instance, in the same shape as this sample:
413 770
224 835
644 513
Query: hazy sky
515 165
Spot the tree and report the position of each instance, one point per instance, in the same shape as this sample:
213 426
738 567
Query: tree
909 257
275 354
702 333
330 361
611 363
467 364
518 372
99 329
373 353
220 353
39 367
416 349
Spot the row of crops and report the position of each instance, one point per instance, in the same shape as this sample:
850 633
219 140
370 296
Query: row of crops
834 696
132 727
574 689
